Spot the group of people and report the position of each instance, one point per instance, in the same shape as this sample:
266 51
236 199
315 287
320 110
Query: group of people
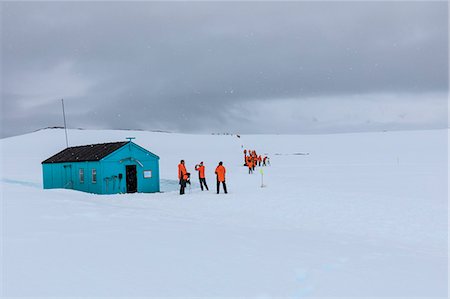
252 159
184 176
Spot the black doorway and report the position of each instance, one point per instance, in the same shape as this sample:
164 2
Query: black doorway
131 178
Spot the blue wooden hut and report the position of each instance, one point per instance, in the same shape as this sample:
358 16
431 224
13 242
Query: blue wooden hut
108 168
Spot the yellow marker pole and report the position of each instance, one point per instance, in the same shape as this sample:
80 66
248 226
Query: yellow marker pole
262 177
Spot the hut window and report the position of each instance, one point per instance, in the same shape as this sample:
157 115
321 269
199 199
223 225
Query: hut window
94 176
147 174
81 175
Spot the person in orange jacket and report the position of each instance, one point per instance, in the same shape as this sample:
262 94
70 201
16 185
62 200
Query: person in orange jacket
201 175
250 166
183 176
220 172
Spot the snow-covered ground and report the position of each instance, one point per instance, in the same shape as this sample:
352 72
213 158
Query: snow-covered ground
345 215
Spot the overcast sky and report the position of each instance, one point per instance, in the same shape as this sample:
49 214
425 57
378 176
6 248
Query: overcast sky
238 67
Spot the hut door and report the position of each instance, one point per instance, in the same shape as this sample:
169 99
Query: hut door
68 183
131 178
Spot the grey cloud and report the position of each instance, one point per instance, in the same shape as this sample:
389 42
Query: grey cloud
183 65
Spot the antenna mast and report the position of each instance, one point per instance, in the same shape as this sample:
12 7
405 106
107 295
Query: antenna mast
65 127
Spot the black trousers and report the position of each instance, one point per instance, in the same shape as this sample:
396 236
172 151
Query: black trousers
203 182
224 187
182 186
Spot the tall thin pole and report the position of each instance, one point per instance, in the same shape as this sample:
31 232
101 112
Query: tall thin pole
65 127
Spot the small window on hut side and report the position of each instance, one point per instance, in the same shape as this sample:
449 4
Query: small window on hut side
147 174
81 175
94 176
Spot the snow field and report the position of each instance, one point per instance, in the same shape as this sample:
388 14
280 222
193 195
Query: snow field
362 215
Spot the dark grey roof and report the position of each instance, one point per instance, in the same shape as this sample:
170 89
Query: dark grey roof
92 152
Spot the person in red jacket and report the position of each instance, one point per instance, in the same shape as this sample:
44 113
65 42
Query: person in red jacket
220 172
183 176
201 175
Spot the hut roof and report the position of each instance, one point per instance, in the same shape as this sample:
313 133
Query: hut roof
92 152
